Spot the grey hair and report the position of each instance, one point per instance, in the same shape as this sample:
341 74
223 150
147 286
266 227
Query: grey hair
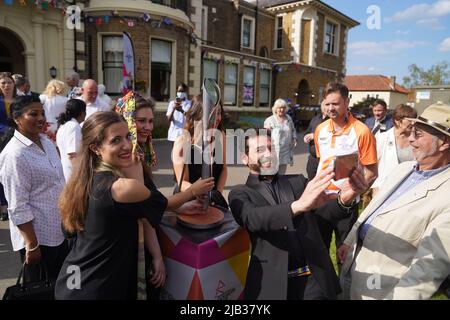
73 75
279 103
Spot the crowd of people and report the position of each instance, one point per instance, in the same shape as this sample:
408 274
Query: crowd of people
77 187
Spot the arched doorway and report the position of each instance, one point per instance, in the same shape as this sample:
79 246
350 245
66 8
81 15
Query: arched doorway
11 52
303 93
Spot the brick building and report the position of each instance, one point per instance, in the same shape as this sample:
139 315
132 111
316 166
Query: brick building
257 51
34 36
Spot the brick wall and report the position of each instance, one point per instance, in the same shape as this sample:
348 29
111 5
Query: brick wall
288 80
140 35
323 59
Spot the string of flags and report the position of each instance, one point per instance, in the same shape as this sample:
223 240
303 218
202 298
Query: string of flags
130 22
40 4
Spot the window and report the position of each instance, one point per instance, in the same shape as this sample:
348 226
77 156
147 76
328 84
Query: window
112 63
330 38
264 90
230 84
248 32
161 69
209 69
279 33
249 85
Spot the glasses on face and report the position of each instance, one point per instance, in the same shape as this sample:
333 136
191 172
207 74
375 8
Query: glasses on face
416 132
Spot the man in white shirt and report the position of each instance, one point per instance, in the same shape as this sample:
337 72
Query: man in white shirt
90 96
176 112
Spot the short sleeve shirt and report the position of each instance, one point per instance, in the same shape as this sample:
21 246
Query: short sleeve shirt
355 137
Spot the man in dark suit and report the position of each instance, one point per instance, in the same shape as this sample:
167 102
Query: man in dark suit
289 259
381 120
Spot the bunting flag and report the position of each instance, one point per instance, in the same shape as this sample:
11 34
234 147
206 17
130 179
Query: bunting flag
128 64
9 2
146 17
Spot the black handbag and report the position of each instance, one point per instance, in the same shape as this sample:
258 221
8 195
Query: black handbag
43 289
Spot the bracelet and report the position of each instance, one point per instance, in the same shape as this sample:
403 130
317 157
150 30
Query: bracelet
33 249
343 206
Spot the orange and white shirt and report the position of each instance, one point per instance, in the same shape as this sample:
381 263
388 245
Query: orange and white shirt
354 137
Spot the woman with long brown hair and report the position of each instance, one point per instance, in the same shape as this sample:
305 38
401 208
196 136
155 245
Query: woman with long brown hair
187 154
102 202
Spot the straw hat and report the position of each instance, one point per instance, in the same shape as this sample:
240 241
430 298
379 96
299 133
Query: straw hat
436 116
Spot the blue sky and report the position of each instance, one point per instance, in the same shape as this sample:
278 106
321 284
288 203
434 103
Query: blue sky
411 31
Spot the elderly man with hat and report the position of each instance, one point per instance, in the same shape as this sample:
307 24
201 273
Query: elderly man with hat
399 248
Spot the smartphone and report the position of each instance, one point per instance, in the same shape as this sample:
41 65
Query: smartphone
178 100
345 165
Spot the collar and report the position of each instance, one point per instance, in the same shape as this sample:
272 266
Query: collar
345 129
27 142
429 173
259 177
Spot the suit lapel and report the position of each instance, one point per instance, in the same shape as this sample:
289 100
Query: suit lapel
418 192
384 193
259 187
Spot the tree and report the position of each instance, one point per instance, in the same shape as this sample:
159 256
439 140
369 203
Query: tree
362 109
438 74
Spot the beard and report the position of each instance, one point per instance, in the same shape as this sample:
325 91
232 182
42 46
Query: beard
420 155
270 171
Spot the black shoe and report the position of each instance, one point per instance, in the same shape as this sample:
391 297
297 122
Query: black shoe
3 216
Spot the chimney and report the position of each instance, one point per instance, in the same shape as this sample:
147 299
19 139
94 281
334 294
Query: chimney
392 82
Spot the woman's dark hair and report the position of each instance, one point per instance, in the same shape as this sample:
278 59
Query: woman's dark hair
403 111
73 201
141 102
74 107
195 113
18 106
8 75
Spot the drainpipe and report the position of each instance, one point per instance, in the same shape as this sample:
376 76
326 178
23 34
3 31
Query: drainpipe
75 67
256 28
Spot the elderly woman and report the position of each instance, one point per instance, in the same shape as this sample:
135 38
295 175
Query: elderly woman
393 145
32 175
54 104
284 135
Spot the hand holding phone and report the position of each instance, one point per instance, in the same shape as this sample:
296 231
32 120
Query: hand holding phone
344 165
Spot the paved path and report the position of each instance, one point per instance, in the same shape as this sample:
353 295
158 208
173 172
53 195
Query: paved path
163 177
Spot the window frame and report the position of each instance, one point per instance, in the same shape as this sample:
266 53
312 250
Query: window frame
267 86
101 61
236 85
252 104
278 28
203 69
335 38
252 32
172 69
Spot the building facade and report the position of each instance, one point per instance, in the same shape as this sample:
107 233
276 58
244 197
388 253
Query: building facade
362 87
257 51
34 37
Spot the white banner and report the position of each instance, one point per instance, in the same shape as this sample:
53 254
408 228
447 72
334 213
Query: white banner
128 64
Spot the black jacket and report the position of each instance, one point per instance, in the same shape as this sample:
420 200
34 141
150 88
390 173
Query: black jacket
267 223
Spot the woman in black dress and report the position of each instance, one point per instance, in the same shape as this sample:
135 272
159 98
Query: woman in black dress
102 203
191 141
